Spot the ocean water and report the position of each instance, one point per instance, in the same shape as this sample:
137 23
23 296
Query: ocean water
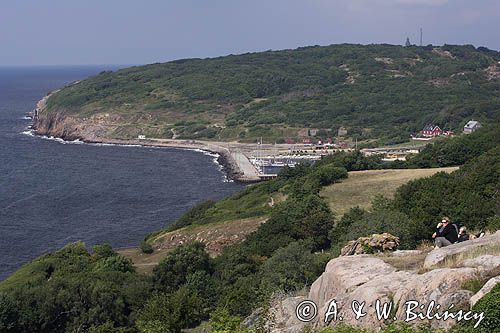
53 193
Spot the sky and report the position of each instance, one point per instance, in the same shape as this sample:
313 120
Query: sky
85 32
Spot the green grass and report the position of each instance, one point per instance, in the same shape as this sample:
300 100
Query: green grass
363 186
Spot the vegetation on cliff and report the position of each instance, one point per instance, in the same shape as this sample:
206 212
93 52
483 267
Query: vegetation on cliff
375 91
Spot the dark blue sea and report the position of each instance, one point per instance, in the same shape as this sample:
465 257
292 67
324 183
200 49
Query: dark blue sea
53 193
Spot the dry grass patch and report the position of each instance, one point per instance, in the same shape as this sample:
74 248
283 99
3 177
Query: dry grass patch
457 260
413 262
215 236
362 186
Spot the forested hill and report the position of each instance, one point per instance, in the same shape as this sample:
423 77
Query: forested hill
375 91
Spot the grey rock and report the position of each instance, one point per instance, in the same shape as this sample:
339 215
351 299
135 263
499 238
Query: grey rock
438 256
484 290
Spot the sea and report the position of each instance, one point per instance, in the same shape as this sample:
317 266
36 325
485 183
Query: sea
53 192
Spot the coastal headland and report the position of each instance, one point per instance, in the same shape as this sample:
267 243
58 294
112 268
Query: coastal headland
234 157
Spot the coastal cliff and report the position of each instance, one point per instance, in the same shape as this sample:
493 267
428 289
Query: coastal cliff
99 128
60 124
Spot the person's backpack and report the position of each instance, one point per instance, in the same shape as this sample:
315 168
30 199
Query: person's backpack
456 227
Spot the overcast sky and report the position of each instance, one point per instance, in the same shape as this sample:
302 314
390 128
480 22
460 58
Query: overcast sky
67 32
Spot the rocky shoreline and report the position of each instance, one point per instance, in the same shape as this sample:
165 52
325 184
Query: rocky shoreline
93 131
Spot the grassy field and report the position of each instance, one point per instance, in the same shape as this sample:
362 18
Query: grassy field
362 186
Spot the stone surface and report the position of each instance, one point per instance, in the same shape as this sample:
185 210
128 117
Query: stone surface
365 278
438 256
485 262
484 290
371 244
285 310
406 253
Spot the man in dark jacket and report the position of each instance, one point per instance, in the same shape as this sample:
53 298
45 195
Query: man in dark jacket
446 233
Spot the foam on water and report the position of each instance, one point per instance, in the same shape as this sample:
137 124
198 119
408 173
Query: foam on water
215 156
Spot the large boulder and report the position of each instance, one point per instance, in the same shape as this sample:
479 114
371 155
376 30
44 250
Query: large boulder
484 290
440 255
283 317
371 244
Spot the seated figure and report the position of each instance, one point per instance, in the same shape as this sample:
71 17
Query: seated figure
446 233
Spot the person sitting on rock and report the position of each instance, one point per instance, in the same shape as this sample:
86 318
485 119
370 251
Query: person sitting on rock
463 235
446 233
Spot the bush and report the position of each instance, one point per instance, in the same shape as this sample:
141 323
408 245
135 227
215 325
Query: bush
8 314
493 223
108 327
172 272
116 263
102 251
291 268
297 218
468 195
222 321
359 223
171 312
329 173
146 247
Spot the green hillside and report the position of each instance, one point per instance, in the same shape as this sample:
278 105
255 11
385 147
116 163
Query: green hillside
375 91
73 290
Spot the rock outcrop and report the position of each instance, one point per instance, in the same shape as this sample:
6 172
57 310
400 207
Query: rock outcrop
369 279
485 289
69 127
371 244
439 256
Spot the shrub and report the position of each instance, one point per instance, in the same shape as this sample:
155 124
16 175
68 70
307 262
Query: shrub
493 224
290 268
222 321
102 251
358 223
171 312
329 173
115 263
8 314
146 247
187 259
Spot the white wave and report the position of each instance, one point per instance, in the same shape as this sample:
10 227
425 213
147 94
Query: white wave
215 156
101 144
215 160
26 118
29 132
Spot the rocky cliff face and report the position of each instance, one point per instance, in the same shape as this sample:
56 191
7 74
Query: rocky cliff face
352 280
57 124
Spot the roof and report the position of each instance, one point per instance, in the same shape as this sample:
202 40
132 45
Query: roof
430 127
472 123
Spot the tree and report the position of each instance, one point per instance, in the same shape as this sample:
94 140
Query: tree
291 268
171 312
8 315
172 272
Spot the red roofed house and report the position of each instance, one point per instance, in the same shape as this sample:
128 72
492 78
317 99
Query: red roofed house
430 131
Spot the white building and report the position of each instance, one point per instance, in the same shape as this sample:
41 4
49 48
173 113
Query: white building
471 126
